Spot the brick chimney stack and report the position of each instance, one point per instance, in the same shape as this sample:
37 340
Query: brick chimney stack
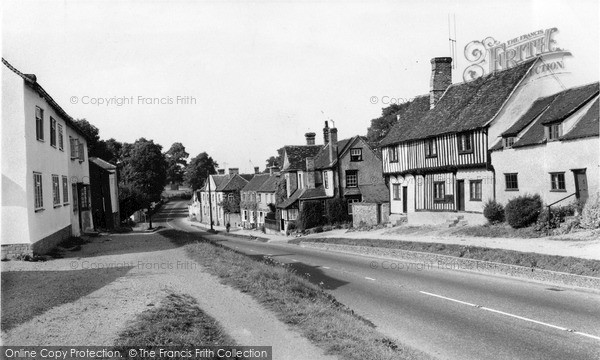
234 171
333 144
310 138
326 133
256 169
221 171
441 78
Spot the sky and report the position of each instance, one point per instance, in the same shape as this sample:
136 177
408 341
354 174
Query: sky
241 79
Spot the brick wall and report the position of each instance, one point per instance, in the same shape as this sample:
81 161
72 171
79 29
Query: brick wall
41 247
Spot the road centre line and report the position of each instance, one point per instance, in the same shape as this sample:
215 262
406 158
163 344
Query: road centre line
368 278
512 315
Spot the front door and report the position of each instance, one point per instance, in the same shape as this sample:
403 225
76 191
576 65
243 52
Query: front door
405 199
581 186
460 195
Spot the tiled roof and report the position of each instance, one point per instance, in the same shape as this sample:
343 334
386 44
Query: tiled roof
270 185
220 181
297 155
463 107
322 158
291 200
247 177
316 193
534 111
257 181
587 126
376 193
31 80
567 102
564 103
236 182
411 111
102 163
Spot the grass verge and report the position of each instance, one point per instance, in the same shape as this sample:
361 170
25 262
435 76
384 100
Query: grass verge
177 321
566 264
296 301
498 230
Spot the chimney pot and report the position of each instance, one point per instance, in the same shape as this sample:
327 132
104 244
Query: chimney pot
310 138
256 169
326 133
234 171
441 78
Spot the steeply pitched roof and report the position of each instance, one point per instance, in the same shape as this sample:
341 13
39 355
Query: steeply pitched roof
316 193
102 163
534 111
220 181
297 154
463 107
247 177
411 111
31 81
257 181
567 102
322 157
236 182
291 200
588 125
564 104
270 185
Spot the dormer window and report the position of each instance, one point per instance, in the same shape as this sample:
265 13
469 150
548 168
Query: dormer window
553 132
509 142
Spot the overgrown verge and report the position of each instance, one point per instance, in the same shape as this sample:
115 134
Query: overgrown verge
302 305
177 321
566 264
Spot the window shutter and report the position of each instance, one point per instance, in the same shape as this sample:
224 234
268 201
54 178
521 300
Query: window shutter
81 153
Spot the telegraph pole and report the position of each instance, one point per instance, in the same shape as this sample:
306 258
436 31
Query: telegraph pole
209 202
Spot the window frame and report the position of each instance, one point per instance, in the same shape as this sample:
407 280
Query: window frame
65 187
393 154
325 179
508 142
478 186
467 136
350 201
349 175
556 186
61 138
39 123
52 132
439 194
38 191
396 191
56 190
554 132
508 181
356 157
431 148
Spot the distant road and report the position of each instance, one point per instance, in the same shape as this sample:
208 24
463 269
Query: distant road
449 314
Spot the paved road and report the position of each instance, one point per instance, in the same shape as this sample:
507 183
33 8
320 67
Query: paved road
449 314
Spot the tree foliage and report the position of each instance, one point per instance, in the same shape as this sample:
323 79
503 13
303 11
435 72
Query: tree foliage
144 172
276 161
198 169
176 158
310 215
231 204
382 125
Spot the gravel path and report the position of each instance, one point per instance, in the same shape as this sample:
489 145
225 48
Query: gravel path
155 267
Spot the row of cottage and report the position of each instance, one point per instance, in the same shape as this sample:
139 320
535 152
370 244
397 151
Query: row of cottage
513 132
51 189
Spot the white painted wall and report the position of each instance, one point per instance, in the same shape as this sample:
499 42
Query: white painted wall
409 181
15 191
534 164
487 187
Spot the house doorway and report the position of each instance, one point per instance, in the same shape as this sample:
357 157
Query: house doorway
460 195
581 185
405 199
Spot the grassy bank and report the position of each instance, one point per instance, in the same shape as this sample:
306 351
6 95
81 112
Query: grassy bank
304 306
565 264
177 321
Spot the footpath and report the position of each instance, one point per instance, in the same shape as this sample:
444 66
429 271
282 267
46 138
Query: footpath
584 245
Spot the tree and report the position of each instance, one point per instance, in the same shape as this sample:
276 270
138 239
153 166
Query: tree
231 203
144 174
198 170
276 161
382 125
176 162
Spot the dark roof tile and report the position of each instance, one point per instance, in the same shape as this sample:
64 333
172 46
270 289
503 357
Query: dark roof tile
297 155
587 126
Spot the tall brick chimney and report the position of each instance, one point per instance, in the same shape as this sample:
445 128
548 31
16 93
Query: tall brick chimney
310 138
333 144
326 133
256 169
441 78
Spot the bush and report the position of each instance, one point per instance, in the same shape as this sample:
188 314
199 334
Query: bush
590 215
493 212
310 215
523 211
336 211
